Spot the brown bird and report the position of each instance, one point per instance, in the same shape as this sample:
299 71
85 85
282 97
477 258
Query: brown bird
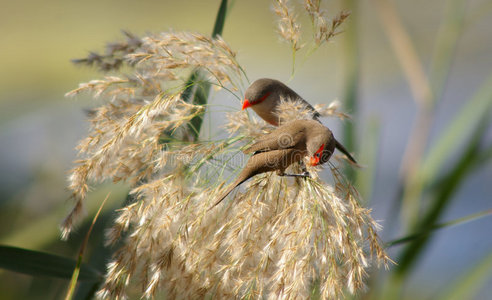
284 146
264 96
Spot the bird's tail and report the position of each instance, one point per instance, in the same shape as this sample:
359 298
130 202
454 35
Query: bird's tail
229 190
342 149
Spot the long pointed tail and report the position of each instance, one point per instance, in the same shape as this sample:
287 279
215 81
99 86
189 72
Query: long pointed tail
342 149
339 146
228 191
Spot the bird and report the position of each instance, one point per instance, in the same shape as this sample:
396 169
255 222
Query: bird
264 97
287 144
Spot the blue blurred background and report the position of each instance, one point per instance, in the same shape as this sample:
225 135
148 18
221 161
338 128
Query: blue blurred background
39 128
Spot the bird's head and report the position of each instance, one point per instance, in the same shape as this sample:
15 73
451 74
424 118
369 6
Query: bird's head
320 149
259 91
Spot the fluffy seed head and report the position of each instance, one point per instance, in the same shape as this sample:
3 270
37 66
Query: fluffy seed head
276 239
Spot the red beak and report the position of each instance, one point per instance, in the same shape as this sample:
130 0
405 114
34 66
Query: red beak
313 161
246 104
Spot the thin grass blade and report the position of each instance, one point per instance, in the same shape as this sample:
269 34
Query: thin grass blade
76 272
452 223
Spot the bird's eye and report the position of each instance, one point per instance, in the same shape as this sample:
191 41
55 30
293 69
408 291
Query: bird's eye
262 98
318 153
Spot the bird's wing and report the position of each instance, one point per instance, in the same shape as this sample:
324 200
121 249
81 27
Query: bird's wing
281 138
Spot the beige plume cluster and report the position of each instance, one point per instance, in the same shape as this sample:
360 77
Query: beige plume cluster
276 237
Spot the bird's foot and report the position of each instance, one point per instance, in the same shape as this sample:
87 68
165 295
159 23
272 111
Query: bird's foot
303 175
303 167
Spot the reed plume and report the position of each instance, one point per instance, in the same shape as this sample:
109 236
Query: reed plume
279 238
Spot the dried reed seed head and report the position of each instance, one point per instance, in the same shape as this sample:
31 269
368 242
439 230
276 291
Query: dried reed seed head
171 51
274 240
114 57
331 110
109 86
271 241
322 32
291 109
241 123
264 240
288 28
312 6
124 142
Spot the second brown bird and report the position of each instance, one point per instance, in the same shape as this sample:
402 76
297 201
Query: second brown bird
287 144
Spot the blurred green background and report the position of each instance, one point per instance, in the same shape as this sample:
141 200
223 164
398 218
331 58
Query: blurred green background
39 128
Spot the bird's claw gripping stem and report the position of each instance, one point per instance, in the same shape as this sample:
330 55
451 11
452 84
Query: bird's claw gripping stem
303 175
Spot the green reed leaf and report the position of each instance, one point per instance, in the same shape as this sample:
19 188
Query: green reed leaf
220 20
197 87
447 186
36 263
78 266
368 158
449 33
455 222
351 94
41 231
468 284
461 127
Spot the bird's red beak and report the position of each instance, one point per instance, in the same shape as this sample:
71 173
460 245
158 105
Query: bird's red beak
246 104
313 161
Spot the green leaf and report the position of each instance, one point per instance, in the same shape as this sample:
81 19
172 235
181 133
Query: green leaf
38 233
220 20
197 88
368 158
197 93
467 285
37 263
78 266
460 128
450 31
459 221
448 185
352 82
